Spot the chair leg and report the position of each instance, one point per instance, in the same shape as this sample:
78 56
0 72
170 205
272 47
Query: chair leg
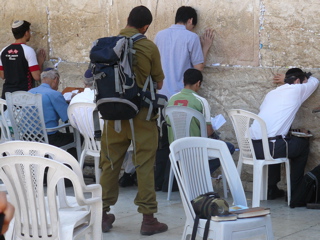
97 170
257 181
82 157
78 142
239 166
170 183
264 183
224 184
287 164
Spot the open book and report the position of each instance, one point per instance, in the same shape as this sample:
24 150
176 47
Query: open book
252 212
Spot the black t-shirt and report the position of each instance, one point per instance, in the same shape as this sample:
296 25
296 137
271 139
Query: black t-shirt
17 62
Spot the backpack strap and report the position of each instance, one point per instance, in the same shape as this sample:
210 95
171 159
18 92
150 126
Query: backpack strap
206 228
96 124
136 37
195 227
149 101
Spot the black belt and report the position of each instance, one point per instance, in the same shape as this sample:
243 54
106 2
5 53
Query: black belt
270 138
276 137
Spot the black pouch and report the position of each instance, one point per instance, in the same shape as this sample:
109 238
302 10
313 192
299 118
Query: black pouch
205 206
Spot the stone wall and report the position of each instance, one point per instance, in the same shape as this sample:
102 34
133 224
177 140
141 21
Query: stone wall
254 39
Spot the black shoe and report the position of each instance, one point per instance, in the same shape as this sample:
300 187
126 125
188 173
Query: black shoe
107 220
274 193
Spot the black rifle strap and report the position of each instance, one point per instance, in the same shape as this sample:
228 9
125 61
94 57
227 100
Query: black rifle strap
195 227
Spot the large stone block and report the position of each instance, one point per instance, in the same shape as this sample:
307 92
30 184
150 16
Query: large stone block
31 11
73 26
290 33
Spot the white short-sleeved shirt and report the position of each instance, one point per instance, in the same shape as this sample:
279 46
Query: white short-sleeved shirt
86 96
180 49
280 106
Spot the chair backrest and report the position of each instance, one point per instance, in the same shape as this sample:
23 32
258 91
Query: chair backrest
5 132
80 117
180 118
24 148
26 116
189 159
36 209
242 120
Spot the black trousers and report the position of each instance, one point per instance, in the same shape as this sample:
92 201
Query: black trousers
298 151
59 139
162 165
162 168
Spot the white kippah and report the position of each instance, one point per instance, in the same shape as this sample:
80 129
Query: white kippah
17 23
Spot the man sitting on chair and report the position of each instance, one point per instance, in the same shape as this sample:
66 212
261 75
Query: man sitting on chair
189 97
88 94
54 108
278 110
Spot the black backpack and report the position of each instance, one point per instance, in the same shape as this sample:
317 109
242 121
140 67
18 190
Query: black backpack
205 206
117 94
308 190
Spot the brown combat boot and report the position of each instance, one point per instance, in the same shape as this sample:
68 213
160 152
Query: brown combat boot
107 220
150 225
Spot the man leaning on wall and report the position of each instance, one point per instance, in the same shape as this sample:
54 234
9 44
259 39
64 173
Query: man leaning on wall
19 64
180 49
278 110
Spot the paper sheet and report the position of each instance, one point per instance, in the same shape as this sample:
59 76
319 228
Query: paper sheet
217 121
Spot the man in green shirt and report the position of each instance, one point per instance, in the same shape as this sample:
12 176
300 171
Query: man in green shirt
189 97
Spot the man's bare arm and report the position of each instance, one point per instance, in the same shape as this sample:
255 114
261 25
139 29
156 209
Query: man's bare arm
210 130
36 75
41 57
206 42
279 78
1 74
159 85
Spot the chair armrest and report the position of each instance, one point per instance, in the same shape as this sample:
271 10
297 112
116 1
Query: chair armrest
94 189
58 127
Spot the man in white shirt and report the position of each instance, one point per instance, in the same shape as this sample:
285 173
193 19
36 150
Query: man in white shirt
278 110
88 94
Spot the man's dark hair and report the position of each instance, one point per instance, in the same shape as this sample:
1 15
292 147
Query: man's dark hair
21 30
184 13
139 17
192 76
294 73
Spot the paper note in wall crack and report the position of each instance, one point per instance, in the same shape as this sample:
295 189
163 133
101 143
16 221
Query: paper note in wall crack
217 121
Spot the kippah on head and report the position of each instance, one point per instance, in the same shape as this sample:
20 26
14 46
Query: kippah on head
88 74
48 69
293 70
17 23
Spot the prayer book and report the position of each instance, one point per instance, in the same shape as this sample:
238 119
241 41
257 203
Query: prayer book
227 217
252 212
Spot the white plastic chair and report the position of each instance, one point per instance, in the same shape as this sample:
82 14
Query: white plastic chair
5 132
180 118
26 116
80 117
37 215
189 159
14 148
242 121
